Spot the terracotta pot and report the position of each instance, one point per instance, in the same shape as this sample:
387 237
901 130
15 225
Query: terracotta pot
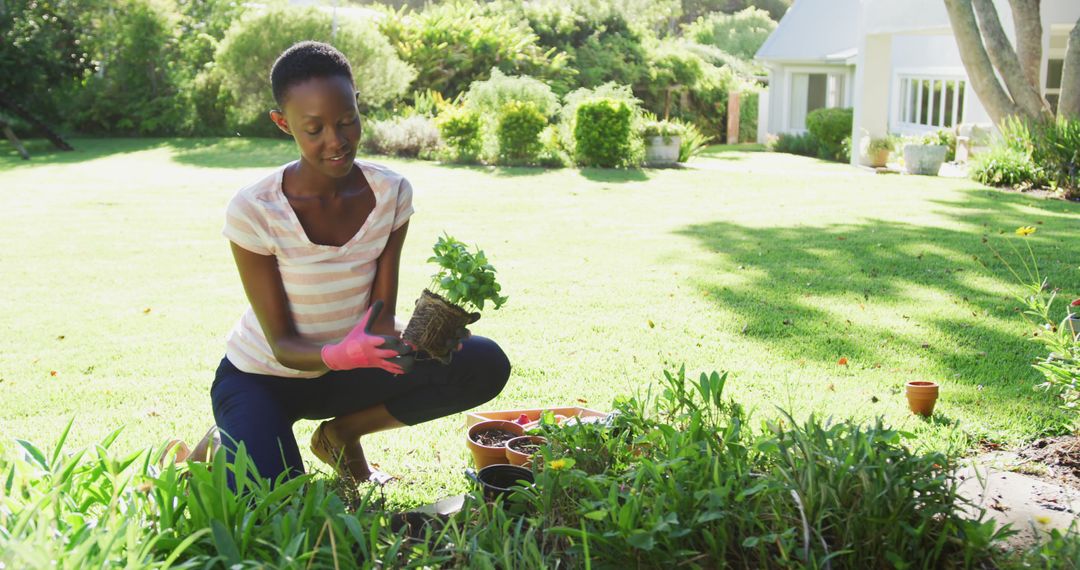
518 458
484 455
879 158
922 396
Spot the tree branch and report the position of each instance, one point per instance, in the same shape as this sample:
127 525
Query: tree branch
1029 32
977 62
1069 102
1004 58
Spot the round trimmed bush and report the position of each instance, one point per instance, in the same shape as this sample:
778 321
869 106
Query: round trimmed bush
520 125
830 127
460 130
602 133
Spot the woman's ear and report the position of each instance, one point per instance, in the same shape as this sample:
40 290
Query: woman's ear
279 119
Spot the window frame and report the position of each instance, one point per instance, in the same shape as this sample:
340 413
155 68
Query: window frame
904 119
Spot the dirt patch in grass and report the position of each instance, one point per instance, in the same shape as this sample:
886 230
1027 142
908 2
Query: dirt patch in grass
1061 457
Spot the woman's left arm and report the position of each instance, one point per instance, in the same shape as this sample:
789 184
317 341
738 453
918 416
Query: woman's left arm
386 282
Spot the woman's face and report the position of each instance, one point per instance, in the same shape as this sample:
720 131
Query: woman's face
322 117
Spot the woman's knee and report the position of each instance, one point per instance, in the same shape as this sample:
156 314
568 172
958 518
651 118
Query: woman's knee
491 367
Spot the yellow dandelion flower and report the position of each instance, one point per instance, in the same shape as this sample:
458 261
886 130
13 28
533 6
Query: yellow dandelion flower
557 464
1025 230
1042 519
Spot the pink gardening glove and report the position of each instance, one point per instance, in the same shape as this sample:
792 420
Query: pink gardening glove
360 348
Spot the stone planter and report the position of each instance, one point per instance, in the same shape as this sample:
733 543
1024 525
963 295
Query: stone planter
662 151
924 159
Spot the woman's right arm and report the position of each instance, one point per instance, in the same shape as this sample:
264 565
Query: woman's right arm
266 293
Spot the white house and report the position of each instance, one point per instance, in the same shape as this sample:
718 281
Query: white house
894 61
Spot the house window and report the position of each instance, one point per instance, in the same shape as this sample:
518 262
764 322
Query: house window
1053 81
935 102
811 91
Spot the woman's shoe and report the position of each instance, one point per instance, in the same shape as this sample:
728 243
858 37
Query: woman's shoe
335 457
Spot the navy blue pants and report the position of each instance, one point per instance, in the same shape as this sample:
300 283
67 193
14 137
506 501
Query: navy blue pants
260 410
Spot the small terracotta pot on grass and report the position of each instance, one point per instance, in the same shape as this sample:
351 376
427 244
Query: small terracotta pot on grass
485 453
921 396
515 457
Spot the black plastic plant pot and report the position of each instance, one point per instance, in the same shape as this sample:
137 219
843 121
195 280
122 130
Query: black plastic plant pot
497 480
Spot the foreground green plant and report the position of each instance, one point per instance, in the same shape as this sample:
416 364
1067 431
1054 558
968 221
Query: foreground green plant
676 476
1057 332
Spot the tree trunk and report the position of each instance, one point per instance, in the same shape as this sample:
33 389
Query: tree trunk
17 109
1024 94
979 69
1029 33
14 140
1069 102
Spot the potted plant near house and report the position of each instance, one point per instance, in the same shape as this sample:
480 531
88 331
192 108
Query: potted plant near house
464 284
879 149
662 142
924 155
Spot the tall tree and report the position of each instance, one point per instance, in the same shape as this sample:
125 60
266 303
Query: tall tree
1007 78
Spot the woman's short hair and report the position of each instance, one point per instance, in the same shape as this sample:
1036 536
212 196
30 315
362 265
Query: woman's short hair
307 60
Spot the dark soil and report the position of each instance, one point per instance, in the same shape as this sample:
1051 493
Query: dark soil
493 437
527 447
1061 456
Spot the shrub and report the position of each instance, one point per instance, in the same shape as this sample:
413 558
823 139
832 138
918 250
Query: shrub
1054 146
829 127
552 153
253 43
134 93
602 133
490 96
460 129
748 117
402 136
673 69
568 115
453 44
601 44
740 34
1005 166
804 144
520 125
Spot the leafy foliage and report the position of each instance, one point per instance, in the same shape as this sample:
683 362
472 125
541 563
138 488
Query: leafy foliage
453 44
803 144
488 97
692 143
520 125
253 43
465 278
461 130
402 136
43 50
602 133
830 127
740 34
1053 147
1005 166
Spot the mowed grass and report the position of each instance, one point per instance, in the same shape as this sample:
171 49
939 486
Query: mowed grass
118 291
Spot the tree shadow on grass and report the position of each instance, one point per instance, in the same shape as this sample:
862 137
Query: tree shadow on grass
780 282
43 152
614 175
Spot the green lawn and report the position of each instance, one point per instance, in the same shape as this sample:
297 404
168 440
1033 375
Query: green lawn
115 276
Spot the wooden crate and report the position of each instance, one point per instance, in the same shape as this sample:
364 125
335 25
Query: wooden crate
473 418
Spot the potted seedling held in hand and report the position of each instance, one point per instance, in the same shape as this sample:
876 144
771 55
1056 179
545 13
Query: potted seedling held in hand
464 284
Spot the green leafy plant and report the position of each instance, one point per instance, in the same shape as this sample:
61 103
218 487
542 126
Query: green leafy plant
829 127
520 125
666 129
803 144
465 278
693 142
602 133
460 129
1003 165
1053 329
879 144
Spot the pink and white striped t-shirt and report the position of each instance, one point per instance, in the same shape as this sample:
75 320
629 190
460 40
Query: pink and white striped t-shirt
328 287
